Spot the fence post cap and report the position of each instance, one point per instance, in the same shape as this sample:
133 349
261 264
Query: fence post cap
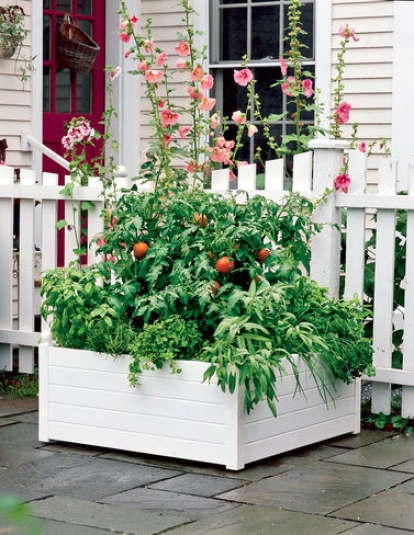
322 143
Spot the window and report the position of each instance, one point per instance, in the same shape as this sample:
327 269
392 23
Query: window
255 28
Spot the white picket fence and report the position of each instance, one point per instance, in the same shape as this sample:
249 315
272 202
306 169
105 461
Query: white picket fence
313 173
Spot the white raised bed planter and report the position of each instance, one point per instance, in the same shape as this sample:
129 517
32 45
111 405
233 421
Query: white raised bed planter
85 398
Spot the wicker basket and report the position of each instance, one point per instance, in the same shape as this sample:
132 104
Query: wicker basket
75 49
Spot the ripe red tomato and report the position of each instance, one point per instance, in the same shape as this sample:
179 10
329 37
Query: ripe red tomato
224 264
262 254
140 250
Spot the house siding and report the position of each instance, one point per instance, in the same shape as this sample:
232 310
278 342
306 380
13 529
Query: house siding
16 99
369 69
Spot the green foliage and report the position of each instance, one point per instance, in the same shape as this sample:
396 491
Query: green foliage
19 385
172 303
396 421
18 513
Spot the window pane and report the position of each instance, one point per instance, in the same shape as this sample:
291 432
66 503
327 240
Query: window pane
85 7
234 96
83 100
63 91
224 2
265 33
64 5
233 44
271 98
47 56
46 89
86 26
46 4
307 26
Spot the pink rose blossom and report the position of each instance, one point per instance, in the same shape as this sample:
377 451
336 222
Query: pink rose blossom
342 111
362 146
238 117
161 59
182 49
153 76
307 87
207 104
243 77
252 130
283 66
169 118
207 82
342 183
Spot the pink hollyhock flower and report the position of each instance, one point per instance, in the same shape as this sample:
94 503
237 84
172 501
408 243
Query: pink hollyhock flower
252 130
242 164
124 37
348 31
153 76
307 87
182 49
342 182
207 82
218 155
167 139
161 59
181 64
133 20
127 53
183 131
161 103
207 104
148 45
243 77
232 176
215 121
362 146
283 66
195 93
238 117
197 74
342 111
169 118
144 66
115 73
286 86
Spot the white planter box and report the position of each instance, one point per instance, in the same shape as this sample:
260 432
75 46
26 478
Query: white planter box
85 398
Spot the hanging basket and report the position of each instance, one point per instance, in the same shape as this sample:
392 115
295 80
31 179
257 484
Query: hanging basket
9 44
75 49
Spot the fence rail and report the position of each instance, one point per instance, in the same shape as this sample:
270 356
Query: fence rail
313 173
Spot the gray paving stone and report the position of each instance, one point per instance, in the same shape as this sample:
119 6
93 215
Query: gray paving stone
392 508
109 517
12 406
318 488
12 455
51 527
372 529
405 467
72 449
408 486
390 452
257 520
145 499
364 438
198 485
20 434
81 477
6 421
28 417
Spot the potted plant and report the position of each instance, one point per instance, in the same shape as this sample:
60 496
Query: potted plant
12 29
197 328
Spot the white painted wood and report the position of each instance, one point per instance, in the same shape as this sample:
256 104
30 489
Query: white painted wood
85 398
274 175
6 266
407 409
302 172
383 292
247 177
355 229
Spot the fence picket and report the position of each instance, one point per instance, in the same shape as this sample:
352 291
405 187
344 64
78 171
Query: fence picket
302 172
384 286
355 228
407 410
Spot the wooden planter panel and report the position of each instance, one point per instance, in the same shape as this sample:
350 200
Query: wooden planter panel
85 398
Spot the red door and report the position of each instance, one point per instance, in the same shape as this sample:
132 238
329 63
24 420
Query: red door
67 93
